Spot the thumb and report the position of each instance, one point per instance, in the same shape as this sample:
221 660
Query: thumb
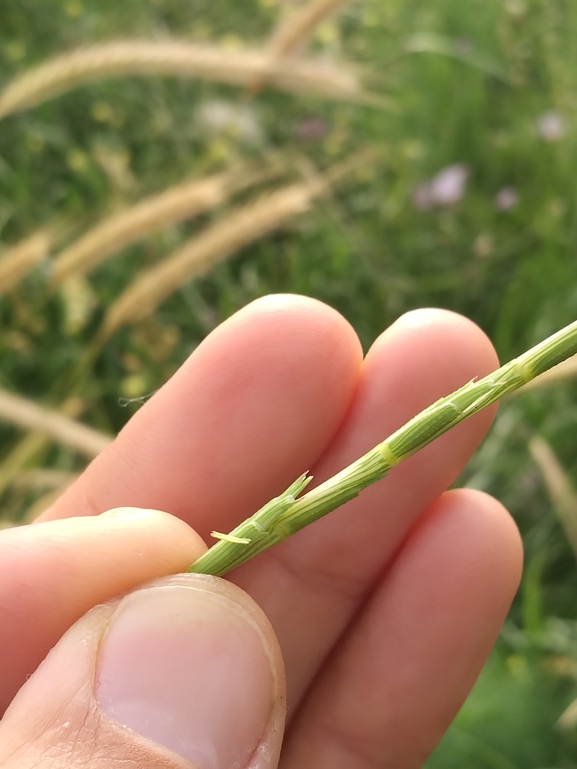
183 672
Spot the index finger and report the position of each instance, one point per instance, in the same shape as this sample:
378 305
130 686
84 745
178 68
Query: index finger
253 407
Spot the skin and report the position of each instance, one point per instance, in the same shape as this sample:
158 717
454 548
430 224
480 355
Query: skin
385 610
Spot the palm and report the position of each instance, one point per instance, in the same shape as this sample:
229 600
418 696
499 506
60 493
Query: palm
386 609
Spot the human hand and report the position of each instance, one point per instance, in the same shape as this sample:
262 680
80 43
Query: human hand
384 610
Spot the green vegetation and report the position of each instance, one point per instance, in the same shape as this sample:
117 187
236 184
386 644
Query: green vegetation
484 86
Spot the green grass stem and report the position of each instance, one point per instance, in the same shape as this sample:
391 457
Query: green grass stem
288 513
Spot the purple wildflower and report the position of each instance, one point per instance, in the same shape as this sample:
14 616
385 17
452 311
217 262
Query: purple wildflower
506 198
551 126
447 187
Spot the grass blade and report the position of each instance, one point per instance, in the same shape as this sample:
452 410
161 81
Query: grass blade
426 42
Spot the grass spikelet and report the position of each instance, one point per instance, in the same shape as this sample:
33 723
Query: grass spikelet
296 30
126 227
59 428
173 57
559 487
18 260
217 242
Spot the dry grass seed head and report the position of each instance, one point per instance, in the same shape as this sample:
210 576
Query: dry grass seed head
18 260
29 449
29 415
300 25
202 252
126 227
48 485
42 478
568 719
559 487
241 227
136 57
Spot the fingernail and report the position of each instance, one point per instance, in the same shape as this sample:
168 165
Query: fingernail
188 666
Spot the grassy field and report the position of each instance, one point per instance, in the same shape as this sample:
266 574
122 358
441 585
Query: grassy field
445 176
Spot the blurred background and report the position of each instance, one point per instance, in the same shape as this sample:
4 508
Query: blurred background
184 157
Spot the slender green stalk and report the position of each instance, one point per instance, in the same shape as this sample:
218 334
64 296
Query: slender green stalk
286 514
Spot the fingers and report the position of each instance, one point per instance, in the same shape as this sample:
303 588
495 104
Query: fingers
184 672
312 584
249 411
259 402
405 667
54 572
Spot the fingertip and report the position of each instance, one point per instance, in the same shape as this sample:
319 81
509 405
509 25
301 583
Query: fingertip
312 326
172 537
482 540
451 328
494 535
